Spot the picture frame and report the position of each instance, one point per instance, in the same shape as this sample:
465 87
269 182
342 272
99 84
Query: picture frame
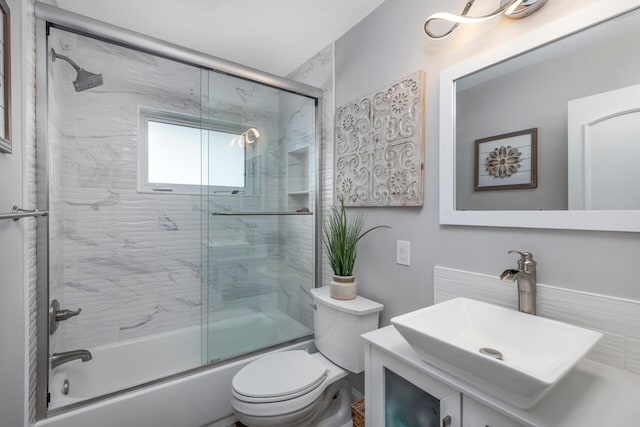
508 161
5 78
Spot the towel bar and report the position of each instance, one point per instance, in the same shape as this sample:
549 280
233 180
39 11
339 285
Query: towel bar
17 213
259 213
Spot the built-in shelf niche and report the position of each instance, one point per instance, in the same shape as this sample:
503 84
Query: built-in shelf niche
298 179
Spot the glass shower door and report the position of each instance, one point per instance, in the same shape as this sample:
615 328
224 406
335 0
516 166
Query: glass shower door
259 248
182 215
124 222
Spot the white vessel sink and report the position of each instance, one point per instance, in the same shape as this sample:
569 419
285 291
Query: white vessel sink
536 352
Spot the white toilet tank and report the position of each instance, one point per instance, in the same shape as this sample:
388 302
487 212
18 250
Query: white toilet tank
339 324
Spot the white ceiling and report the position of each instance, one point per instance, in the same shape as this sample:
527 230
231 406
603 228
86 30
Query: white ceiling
271 35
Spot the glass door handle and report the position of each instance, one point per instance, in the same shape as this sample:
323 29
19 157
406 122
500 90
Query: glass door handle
275 213
446 421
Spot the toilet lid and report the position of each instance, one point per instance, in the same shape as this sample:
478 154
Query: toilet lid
279 375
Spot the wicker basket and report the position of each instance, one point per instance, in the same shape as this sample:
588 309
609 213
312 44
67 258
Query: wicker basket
357 413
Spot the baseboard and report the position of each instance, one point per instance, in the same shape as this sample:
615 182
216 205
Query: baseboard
356 395
229 421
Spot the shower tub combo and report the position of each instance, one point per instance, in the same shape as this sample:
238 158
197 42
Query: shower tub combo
123 365
181 191
195 399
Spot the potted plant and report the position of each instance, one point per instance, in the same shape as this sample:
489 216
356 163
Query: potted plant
341 237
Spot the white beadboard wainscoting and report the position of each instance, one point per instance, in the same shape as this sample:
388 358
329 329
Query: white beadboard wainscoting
617 318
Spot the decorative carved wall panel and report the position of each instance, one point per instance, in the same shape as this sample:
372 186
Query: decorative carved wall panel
379 146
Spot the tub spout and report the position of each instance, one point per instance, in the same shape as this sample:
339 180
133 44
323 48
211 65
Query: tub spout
58 359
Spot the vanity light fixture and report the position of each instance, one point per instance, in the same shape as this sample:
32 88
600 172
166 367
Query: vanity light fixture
249 136
514 9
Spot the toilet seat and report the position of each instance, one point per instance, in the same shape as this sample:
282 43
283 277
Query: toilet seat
300 404
279 376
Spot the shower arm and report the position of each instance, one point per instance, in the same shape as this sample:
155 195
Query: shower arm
55 56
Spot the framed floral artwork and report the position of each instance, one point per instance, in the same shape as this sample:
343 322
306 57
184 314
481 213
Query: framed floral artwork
379 146
507 161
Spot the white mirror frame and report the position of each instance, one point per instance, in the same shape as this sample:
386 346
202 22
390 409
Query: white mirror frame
606 220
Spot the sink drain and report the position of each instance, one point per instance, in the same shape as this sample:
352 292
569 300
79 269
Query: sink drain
492 352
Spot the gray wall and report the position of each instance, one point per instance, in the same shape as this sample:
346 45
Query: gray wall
318 71
389 44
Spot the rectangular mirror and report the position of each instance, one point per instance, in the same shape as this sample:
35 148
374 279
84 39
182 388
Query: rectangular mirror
576 81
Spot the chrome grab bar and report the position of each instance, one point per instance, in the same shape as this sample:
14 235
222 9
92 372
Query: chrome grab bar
17 213
259 213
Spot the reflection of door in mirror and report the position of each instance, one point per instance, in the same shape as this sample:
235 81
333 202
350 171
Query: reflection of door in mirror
604 150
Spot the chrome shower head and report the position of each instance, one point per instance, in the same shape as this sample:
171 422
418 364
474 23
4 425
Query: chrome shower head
84 79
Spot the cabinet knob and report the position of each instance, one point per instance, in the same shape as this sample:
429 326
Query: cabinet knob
446 421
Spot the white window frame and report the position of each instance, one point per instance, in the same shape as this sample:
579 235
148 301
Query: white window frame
144 186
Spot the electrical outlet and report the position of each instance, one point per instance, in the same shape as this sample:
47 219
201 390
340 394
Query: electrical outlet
403 252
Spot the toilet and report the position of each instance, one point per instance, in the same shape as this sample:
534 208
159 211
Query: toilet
298 389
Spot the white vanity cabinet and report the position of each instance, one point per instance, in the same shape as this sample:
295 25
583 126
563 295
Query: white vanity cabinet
593 394
475 414
398 394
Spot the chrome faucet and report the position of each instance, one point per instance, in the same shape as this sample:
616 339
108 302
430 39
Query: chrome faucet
525 275
58 359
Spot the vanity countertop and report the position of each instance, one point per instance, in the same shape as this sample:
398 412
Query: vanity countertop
593 394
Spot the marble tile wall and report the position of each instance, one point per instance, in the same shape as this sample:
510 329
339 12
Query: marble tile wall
56 201
318 71
134 261
131 261
297 125
244 252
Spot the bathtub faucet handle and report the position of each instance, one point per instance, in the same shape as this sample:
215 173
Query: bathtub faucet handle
65 314
56 315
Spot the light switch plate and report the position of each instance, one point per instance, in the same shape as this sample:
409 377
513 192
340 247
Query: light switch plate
403 252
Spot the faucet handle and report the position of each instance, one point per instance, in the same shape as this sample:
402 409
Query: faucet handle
524 256
66 314
56 315
526 259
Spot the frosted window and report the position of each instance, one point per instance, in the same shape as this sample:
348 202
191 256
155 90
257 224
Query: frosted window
226 161
177 154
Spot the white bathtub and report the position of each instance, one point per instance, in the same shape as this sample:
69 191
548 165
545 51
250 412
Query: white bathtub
193 400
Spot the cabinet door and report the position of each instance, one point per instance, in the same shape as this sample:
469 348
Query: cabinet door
405 404
399 395
475 414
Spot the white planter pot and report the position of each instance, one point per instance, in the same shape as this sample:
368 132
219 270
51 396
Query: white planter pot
343 287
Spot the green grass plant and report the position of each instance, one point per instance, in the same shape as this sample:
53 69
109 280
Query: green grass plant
341 237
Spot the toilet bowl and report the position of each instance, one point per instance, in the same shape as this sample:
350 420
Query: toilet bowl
298 389
291 389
